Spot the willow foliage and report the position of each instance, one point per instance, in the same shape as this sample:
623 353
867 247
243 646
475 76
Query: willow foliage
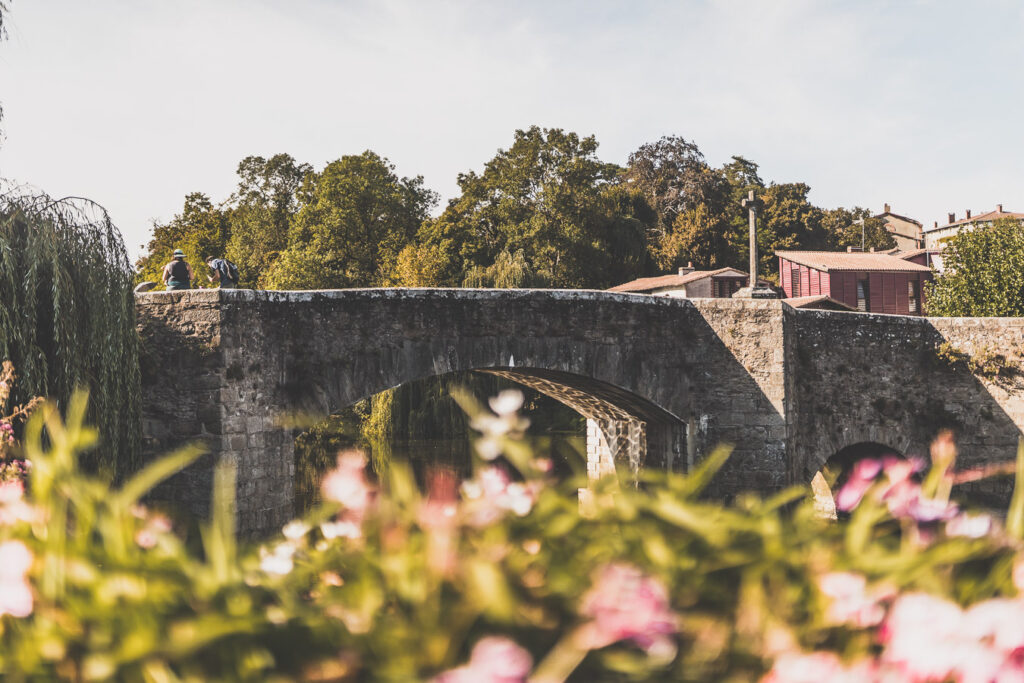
67 314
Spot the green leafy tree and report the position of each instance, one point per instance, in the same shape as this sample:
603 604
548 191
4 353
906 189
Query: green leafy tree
199 230
844 229
690 201
549 197
983 273
355 217
265 203
787 220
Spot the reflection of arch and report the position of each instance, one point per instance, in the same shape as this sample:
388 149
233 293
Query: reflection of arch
621 425
836 469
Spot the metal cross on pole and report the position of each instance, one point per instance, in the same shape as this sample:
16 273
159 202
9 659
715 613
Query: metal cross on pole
751 204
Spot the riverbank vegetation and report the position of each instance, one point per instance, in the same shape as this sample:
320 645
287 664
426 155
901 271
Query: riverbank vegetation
505 576
67 314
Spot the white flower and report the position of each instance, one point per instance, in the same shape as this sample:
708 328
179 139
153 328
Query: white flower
969 525
295 529
342 529
507 402
279 561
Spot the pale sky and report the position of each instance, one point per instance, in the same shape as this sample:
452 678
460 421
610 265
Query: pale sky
135 103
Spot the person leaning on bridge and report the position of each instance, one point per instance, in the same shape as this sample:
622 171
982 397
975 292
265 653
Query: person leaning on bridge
178 273
225 273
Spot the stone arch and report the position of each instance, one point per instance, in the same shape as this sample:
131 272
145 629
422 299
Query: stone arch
836 469
896 441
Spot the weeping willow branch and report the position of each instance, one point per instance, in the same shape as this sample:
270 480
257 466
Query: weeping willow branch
67 314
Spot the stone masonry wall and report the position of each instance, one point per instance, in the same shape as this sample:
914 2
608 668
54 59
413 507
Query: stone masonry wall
879 378
787 388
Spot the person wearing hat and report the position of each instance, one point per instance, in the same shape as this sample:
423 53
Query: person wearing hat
178 273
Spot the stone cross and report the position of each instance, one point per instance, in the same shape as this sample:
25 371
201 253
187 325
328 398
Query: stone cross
751 204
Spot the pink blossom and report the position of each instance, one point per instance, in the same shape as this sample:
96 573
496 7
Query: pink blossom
850 601
924 638
347 484
15 591
999 622
493 660
438 516
13 507
156 525
626 604
930 510
861 478
492 494
819 667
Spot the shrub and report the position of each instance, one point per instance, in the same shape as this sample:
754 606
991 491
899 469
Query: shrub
503 576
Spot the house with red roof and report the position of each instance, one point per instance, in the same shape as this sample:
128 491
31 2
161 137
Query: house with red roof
937 235
689 283
872 282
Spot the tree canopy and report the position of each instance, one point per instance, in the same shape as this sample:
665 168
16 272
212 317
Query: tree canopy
545 212
983 273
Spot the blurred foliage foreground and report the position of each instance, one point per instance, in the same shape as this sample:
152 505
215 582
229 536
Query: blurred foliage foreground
504 576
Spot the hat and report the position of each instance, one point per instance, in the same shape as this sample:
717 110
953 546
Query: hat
178 253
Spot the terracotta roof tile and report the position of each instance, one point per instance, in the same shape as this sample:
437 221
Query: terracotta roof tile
980 218
827 261
817 301
646 284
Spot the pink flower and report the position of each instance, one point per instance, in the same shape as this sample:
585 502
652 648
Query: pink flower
156 525
850 602
819 667
15 591
924 638
999 622
347 484
493 660
861 479
13 507
626 604
492 494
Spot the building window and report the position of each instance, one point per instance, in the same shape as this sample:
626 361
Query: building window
913 296
796 281
863 295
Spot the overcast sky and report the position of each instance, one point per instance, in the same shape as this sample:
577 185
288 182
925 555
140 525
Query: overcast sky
135 103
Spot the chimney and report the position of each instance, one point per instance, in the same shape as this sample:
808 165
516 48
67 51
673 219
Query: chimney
687 270
999 208
952 218
935 224
872 250
886 209
968 213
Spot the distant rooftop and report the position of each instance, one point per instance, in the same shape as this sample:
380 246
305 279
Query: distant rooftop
980 218
827 261
646 284
819 301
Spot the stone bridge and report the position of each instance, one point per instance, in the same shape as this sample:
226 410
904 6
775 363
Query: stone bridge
660 380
